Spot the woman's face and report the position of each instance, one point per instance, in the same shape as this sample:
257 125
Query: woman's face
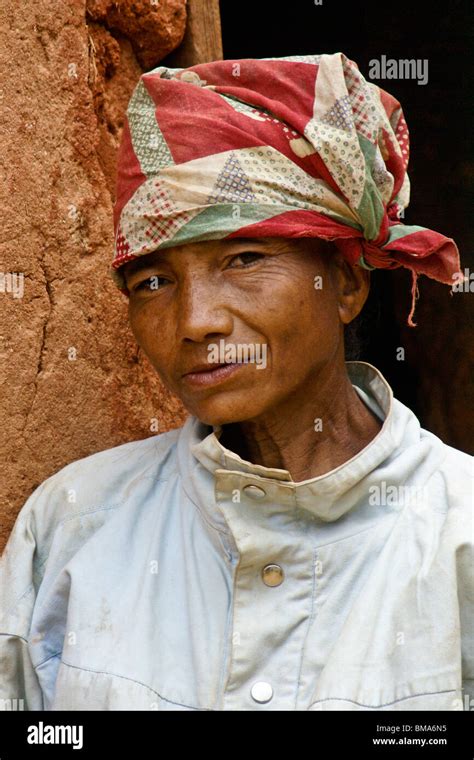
270 310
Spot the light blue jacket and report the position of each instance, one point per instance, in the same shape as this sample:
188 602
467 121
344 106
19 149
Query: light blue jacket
143 578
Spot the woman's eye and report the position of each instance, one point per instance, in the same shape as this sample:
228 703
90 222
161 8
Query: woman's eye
248 257
150 284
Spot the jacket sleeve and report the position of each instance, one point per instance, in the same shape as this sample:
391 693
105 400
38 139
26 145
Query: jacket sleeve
465 569
20 571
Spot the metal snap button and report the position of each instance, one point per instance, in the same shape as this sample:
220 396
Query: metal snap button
261 691
272 575
255 492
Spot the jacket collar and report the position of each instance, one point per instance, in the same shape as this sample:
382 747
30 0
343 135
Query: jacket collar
207 466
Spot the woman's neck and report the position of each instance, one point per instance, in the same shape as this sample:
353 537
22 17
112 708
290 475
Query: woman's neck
308 438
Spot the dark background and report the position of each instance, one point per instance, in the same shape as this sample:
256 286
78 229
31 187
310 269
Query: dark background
439 117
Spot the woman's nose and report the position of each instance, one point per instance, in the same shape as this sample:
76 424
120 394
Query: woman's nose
201 313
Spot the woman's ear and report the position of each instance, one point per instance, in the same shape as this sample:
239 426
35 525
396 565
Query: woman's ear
352 285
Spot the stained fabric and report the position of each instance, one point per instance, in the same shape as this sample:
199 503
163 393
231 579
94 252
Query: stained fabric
297 146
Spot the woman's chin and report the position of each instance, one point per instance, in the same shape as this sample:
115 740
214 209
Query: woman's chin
218 419
219 412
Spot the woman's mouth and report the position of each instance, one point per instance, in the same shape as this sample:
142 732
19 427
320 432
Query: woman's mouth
212 376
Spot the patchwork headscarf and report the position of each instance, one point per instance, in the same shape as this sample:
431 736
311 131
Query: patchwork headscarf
300 146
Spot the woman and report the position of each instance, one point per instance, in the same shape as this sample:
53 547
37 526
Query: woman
301 543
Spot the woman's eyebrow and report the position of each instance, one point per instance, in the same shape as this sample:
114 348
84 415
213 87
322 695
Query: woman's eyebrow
144 262
138 265
269 244
247 241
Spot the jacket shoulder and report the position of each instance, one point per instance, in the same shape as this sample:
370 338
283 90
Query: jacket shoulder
83 494
457 471
109 470
451 467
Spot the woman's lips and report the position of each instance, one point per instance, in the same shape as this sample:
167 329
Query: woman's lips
212 376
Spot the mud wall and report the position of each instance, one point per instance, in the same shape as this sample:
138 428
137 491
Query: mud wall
73 380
